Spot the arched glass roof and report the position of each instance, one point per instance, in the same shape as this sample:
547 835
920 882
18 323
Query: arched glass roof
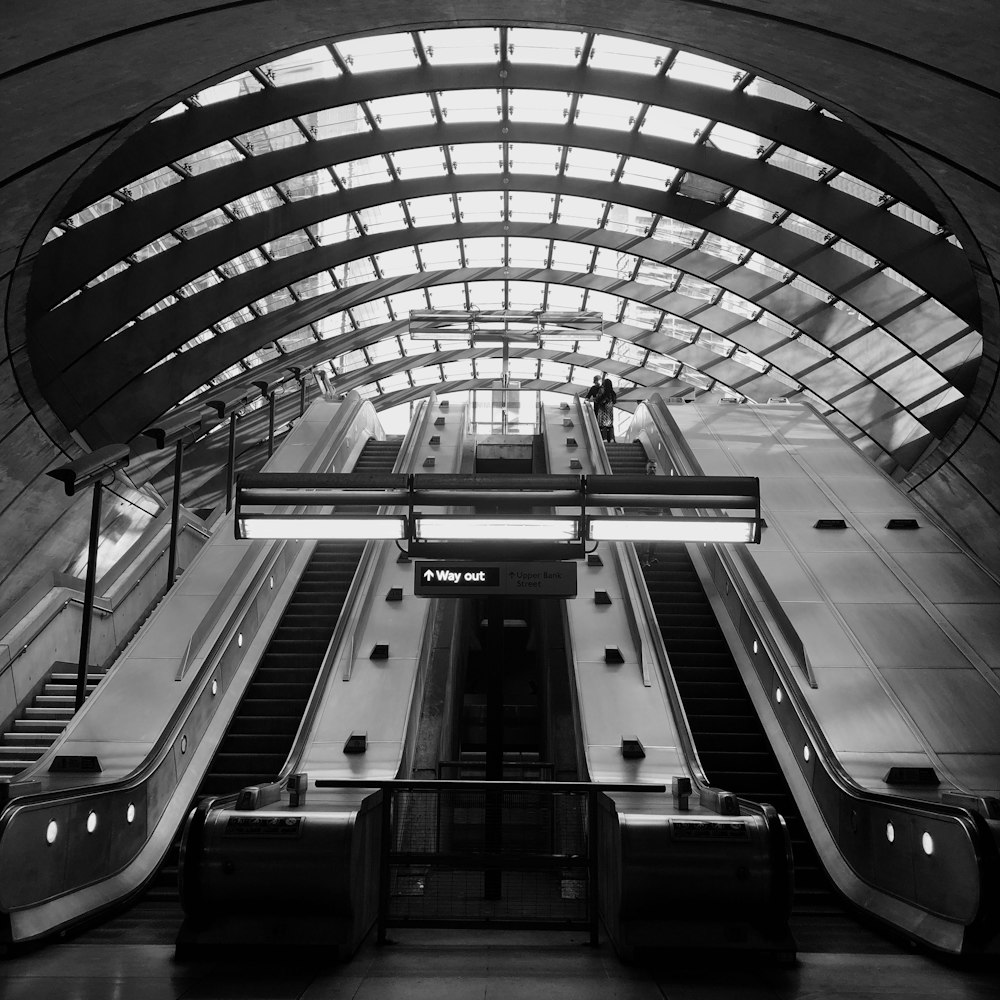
736 237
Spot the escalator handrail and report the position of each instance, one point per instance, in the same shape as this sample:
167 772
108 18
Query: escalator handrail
358 597
224 633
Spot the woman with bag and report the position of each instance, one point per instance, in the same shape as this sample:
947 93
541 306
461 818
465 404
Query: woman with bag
604 407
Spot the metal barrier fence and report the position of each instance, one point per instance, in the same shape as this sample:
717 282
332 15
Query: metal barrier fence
489 853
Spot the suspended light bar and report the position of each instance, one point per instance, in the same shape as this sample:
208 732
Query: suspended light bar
515 529
323 526
483 326
671 529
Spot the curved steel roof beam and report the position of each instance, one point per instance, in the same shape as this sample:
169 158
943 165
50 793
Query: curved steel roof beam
824 138
928 260
95 313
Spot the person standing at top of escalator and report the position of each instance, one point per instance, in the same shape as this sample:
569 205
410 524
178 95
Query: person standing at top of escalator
594 391
604 407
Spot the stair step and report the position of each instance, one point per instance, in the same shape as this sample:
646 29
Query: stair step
12 753
29 739
36 724
49 714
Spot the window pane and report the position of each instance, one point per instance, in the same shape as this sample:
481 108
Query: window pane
698 69
542 45
440 256
530 206
394 263
550 107
606 112
670 124
580 211
257 201
461 45
367 55
382 218
459 106
593 164
526 252
647 173
366 170
219 155
626 55
480 206
335 230
427 161
331 123
311 185
310 64
735 140
484 252
434 210
235 86
534 158
477 158
404 111
280 135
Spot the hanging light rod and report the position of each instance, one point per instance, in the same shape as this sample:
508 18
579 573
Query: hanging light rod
430 512
514 325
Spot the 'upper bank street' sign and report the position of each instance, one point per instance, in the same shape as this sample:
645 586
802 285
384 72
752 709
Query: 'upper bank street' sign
528 579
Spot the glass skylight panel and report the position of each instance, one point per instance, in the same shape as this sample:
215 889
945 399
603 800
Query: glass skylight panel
698 69
425 161
414 348
810 288
615 264
543 45
279 135
352 361
857 188
430 375
653 273
458 106
235 86
174 109
757 208
697 288
365 170
570 256
442 255
157 180
606 112
257 201
626 219
199 338
480 206
397 263
775 92
300 67
564 297
679 328
487 367
714 343
484 251
848 249
796 224
603 302
628 353
662 364
477 158
356 272
165 242
738 305
784 379
526 252
902 279
591 164
674 231
703 188
332 123
243 262
447 296
302 337
576 211
53 234
403 302
378 52
777 324
465 46
748 360
199 284
696 378
902 211
312 285
530 206
369 391
731 139
525 294
288 245
668 123
219 155
95 211
274 301
797 162
335 230
626 55
647 173
524 369
372 313
233 320
402 111
109 273
457 371
394 383
769 268
156 307
433 210
641 315
534 158
719 246
382 218
310 185
333 325
553 371
487 294
550 107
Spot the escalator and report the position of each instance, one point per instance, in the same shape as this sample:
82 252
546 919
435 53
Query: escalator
262 729
728 735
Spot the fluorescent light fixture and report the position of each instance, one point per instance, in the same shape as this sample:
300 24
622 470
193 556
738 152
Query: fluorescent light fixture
330 526
670 529
506 529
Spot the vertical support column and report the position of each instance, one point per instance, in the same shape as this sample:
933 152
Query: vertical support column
302 397
231 462
493 835
270 424
88 597
175 510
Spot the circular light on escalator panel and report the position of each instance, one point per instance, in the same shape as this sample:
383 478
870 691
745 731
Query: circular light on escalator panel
215 686
755 645
778 695
130 813
91 822
806 752
272 582
239 640
927 843
890 832
51 832
184 744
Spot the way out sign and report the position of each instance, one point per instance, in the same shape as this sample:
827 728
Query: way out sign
460 579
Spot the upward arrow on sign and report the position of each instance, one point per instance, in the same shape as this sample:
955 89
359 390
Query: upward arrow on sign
429 574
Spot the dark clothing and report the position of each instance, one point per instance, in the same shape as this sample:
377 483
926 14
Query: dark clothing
604 408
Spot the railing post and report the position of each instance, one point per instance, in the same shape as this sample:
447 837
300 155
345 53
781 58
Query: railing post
175 509
231 462
383 877
88 597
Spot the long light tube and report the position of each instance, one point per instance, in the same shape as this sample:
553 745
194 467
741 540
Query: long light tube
328 526
670 529
501 529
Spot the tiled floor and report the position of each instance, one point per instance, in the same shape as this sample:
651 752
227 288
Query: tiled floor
449 965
